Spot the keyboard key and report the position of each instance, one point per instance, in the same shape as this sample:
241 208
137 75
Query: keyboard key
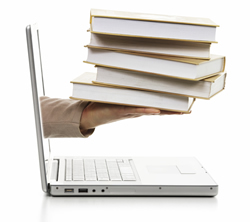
103 177
129 178
90 178
115 178
68 176
78 173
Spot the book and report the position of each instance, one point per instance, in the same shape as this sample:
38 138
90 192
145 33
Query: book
152 26
177 67
85 89
204 89
151 46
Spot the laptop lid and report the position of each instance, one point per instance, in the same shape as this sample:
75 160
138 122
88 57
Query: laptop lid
37 84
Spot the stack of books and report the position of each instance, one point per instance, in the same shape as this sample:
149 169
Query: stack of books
148 60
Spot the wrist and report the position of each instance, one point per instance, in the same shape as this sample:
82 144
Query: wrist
85 128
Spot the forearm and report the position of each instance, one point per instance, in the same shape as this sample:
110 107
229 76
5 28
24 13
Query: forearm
61 117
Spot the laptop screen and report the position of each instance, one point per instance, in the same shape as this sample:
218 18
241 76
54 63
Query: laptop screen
36 74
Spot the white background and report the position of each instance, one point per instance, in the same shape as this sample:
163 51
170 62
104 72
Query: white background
217 131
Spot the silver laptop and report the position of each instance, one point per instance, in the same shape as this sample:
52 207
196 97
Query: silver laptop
110 176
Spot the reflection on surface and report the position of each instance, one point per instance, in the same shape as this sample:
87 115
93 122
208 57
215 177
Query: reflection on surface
116 207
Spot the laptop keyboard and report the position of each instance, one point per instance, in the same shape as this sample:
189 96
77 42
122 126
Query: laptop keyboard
99 170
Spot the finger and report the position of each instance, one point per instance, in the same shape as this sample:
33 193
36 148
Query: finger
164 112
141 110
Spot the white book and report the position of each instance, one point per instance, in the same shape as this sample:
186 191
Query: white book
84 89
152 26
184 68
151 46
204 89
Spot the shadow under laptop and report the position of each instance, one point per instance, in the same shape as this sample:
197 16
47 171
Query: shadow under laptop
103 207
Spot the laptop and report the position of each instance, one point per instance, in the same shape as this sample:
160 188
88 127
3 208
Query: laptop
109 176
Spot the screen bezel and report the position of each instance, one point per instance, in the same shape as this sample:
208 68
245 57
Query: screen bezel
37 84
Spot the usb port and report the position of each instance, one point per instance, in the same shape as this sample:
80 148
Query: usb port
83 190
69 190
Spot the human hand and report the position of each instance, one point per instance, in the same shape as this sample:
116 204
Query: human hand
96 114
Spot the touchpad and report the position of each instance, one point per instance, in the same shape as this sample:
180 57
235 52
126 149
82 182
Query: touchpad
163 169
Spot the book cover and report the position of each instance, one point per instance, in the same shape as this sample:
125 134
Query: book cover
204 89
151 17
176 67
151 46
85 89
152 26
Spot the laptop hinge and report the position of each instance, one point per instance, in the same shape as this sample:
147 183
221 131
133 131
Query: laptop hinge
49 188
